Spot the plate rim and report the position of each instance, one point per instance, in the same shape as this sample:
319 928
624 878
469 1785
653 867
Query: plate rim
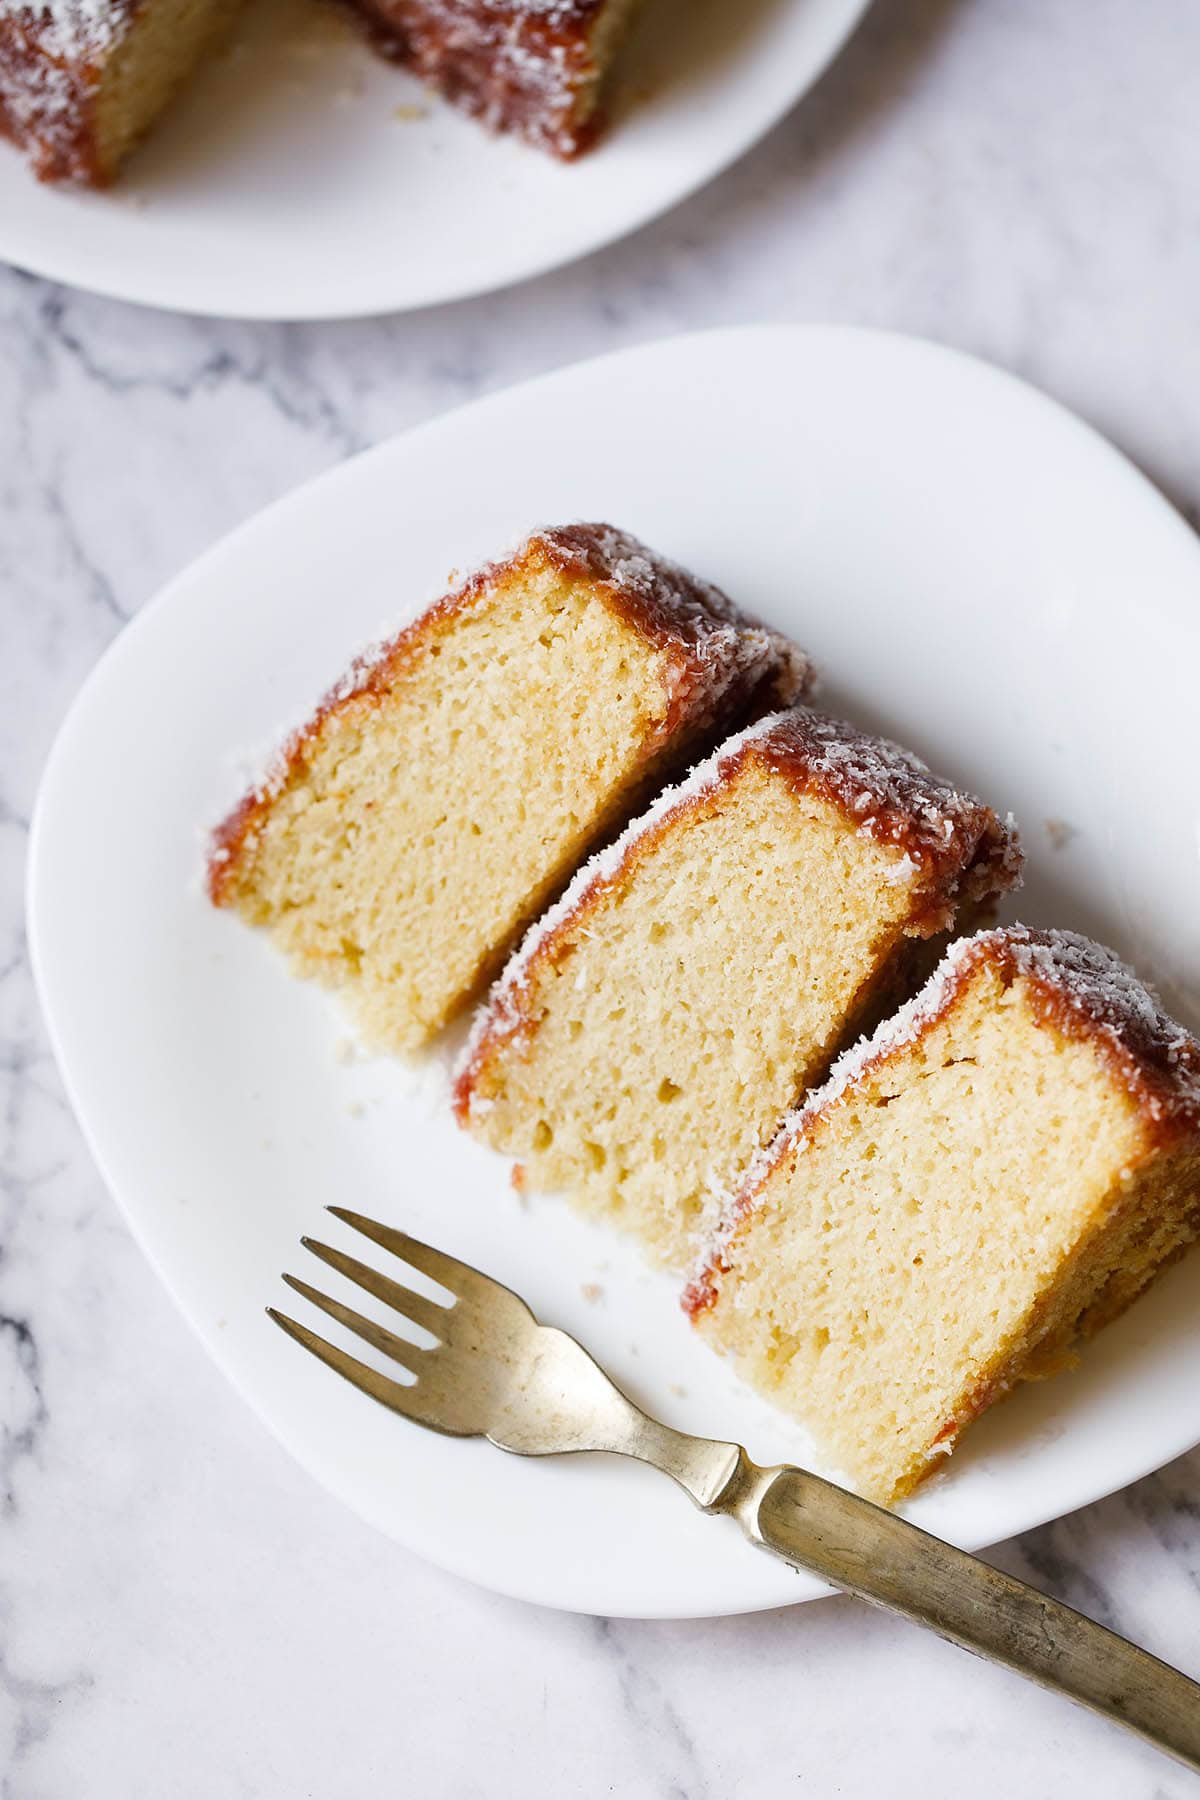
163 294
1036 1513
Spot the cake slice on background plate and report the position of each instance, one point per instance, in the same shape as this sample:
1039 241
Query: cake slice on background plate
704 970
450 784
994 1175
82 81
538 69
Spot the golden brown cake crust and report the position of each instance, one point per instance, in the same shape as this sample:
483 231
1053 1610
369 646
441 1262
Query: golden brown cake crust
1076 987
51 55
962 851
722 661
1085 991
523 66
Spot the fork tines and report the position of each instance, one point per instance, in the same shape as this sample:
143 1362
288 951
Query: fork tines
458 1279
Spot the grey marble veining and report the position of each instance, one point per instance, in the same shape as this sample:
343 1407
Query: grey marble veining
181 1612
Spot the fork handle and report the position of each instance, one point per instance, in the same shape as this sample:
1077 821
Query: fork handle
879 1557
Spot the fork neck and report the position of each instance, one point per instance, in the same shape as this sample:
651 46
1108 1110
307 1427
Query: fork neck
712 1472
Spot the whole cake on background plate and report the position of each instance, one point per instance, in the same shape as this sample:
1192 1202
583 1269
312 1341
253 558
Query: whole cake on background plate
993 1176
705 969
450 784
82 81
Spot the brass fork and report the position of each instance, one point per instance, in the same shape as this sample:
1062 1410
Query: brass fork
495 1372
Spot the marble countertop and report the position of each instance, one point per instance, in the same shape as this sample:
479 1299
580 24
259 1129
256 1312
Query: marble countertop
181 1611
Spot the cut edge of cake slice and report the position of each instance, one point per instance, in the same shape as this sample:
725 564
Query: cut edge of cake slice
83 81
451 782
929 856
1114 1098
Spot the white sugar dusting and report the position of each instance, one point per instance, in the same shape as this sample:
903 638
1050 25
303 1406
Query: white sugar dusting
902 870
75 30
898 799
50 47
500 61
729 644
1106 996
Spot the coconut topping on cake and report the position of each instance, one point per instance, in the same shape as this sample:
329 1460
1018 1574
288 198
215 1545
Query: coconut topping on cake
75 30
532 67
48 50
82 81
668 602
1088 991
897 799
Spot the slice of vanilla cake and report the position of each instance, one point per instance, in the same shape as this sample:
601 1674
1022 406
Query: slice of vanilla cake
446 789
81 81
693 980
999 1171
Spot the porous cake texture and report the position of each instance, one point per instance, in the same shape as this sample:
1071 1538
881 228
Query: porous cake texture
447 788
535 68
994 1175
701 972
81 81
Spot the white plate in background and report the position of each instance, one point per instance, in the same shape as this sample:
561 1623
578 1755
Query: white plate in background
300 176
976 572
